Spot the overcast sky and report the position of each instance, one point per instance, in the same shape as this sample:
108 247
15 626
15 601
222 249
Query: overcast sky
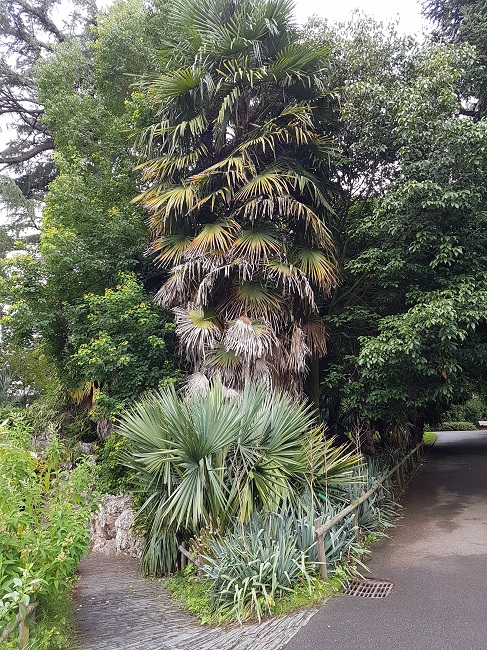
408 11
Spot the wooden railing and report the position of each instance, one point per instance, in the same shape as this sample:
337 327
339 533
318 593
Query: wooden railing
401 471
22 622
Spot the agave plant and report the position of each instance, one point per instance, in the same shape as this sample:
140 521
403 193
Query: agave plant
210 459
236 166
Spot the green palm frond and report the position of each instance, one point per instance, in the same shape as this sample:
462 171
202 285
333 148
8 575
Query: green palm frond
269 182
175 83
294 60
170 249
217 237
224 359
235 169
317 267
301 213
256 245
160 169
253 299
169 204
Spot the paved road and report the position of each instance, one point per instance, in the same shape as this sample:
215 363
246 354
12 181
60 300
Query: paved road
436 558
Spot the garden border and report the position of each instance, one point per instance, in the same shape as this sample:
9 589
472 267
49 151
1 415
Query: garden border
322 528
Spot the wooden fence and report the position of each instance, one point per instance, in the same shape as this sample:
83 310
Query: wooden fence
401 472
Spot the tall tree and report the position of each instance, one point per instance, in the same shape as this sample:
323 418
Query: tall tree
238 165
463 21
82 300
407 323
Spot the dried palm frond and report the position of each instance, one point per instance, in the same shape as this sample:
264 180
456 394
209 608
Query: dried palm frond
195 385
298 351
197 331
315 332
292 281
249 340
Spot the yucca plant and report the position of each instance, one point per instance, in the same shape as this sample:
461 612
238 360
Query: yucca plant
250 567
237 165
214 458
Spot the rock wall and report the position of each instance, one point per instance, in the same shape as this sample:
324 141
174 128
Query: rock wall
111 528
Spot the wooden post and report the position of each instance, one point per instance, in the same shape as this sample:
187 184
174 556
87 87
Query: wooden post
184 559
320 545
398 477
357 524
24 632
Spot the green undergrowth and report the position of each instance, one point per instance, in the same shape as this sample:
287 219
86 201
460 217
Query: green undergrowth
52 629
195 596
429 438
458 426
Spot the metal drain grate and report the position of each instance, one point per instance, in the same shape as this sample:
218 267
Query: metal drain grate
368 588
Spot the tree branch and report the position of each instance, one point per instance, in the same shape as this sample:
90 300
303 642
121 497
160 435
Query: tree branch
27 155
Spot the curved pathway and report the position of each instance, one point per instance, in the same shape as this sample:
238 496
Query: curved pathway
117 609
436 558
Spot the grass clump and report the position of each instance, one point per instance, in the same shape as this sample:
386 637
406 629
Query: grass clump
194 595
429 438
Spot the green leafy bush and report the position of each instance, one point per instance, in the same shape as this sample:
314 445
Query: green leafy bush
457 426
45 512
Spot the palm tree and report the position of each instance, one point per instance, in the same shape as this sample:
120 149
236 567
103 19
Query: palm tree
236 166
206 461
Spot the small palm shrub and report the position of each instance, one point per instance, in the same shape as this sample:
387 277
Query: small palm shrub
208 460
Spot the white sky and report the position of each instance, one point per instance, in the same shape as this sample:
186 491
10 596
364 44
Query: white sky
408 11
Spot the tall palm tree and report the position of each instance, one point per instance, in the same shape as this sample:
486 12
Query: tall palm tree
236 166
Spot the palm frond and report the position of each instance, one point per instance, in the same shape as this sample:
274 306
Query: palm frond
317 267
174 83
249 340
170 249
315 332
214 238
197 331
256 245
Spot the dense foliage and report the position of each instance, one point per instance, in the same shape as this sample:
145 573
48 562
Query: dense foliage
207 460
44 526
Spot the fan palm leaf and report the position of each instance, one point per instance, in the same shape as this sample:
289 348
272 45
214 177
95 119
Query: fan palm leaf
317 267
256 245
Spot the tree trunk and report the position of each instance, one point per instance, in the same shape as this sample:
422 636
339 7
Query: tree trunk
416 429
314 393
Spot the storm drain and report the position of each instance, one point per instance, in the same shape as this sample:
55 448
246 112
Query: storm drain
368 588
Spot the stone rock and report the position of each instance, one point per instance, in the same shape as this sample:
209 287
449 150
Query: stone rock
111 528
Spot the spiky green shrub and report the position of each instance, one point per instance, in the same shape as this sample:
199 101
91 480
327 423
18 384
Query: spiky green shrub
255 564
211 459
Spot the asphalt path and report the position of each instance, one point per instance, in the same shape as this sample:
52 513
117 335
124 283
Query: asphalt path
436 558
